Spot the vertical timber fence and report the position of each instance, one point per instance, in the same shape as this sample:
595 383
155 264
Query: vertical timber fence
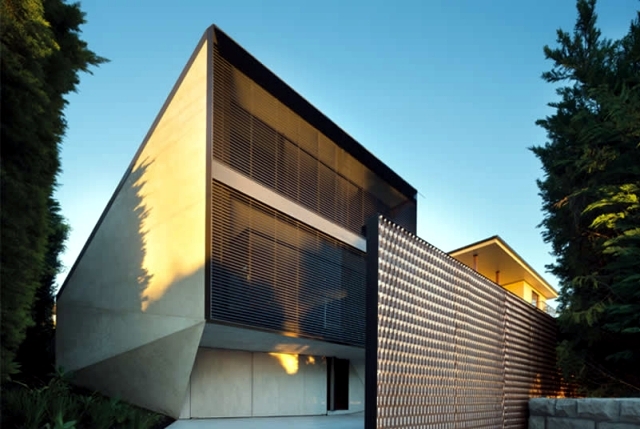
446 347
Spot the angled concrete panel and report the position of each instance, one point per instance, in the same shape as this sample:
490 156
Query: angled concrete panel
185 413
152 235
91 333
140 278
153 376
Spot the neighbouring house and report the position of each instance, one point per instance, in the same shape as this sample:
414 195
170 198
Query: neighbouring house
227 274
496 260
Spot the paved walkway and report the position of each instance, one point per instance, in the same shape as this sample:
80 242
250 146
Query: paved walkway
346 421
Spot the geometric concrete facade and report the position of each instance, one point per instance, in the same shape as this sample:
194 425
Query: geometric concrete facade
142 313
132 307
227 275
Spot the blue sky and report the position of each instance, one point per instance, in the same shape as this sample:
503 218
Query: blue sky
446 92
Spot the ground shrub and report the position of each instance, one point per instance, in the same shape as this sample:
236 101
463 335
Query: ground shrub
59 405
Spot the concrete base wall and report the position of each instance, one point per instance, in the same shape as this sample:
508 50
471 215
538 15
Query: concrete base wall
221 383
356 386
232 383
588 413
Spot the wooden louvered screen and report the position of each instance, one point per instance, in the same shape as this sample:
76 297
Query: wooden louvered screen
273 272
260 137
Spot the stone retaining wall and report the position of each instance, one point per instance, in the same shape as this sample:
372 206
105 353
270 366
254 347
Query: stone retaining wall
588 413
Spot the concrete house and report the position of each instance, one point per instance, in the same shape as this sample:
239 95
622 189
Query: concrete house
226 276
229 263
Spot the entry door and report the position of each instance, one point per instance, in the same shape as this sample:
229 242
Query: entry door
337 384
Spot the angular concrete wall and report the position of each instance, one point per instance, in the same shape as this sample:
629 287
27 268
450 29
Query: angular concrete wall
232 383
131 313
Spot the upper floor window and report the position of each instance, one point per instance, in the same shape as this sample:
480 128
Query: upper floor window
534 299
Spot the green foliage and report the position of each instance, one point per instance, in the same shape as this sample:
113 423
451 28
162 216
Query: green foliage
58 406
591 200
42 55
36 354
58 423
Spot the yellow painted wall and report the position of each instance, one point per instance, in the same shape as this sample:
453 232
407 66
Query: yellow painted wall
524 290
528 295
516 288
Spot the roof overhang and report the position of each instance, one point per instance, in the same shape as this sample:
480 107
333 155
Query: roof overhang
493 255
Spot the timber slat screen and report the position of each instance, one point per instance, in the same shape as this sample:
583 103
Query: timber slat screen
446 347
260 137
270 270
273 272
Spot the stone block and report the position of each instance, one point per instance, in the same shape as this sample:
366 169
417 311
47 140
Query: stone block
599 409
542 406
536 422
566 407
569 423
630 410
617 425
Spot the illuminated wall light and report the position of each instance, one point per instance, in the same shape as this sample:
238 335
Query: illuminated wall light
289 362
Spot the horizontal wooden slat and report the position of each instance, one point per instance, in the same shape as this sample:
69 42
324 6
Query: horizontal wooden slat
271 271
257 135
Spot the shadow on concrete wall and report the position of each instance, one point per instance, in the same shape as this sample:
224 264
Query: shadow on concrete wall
130 257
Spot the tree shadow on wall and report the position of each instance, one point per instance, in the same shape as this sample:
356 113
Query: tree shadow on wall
128 251
109 278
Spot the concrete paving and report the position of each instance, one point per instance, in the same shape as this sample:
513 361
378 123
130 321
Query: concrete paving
344 421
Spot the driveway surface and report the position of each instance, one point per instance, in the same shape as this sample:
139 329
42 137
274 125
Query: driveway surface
344 421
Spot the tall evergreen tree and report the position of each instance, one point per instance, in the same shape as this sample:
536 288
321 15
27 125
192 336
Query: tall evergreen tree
42 55
36 354
591 201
